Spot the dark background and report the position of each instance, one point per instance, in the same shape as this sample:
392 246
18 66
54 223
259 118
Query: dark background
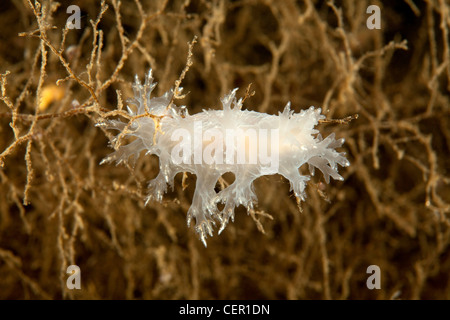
58 207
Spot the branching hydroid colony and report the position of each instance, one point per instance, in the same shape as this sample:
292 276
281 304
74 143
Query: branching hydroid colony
210 143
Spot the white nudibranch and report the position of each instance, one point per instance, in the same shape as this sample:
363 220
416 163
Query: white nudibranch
208 144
